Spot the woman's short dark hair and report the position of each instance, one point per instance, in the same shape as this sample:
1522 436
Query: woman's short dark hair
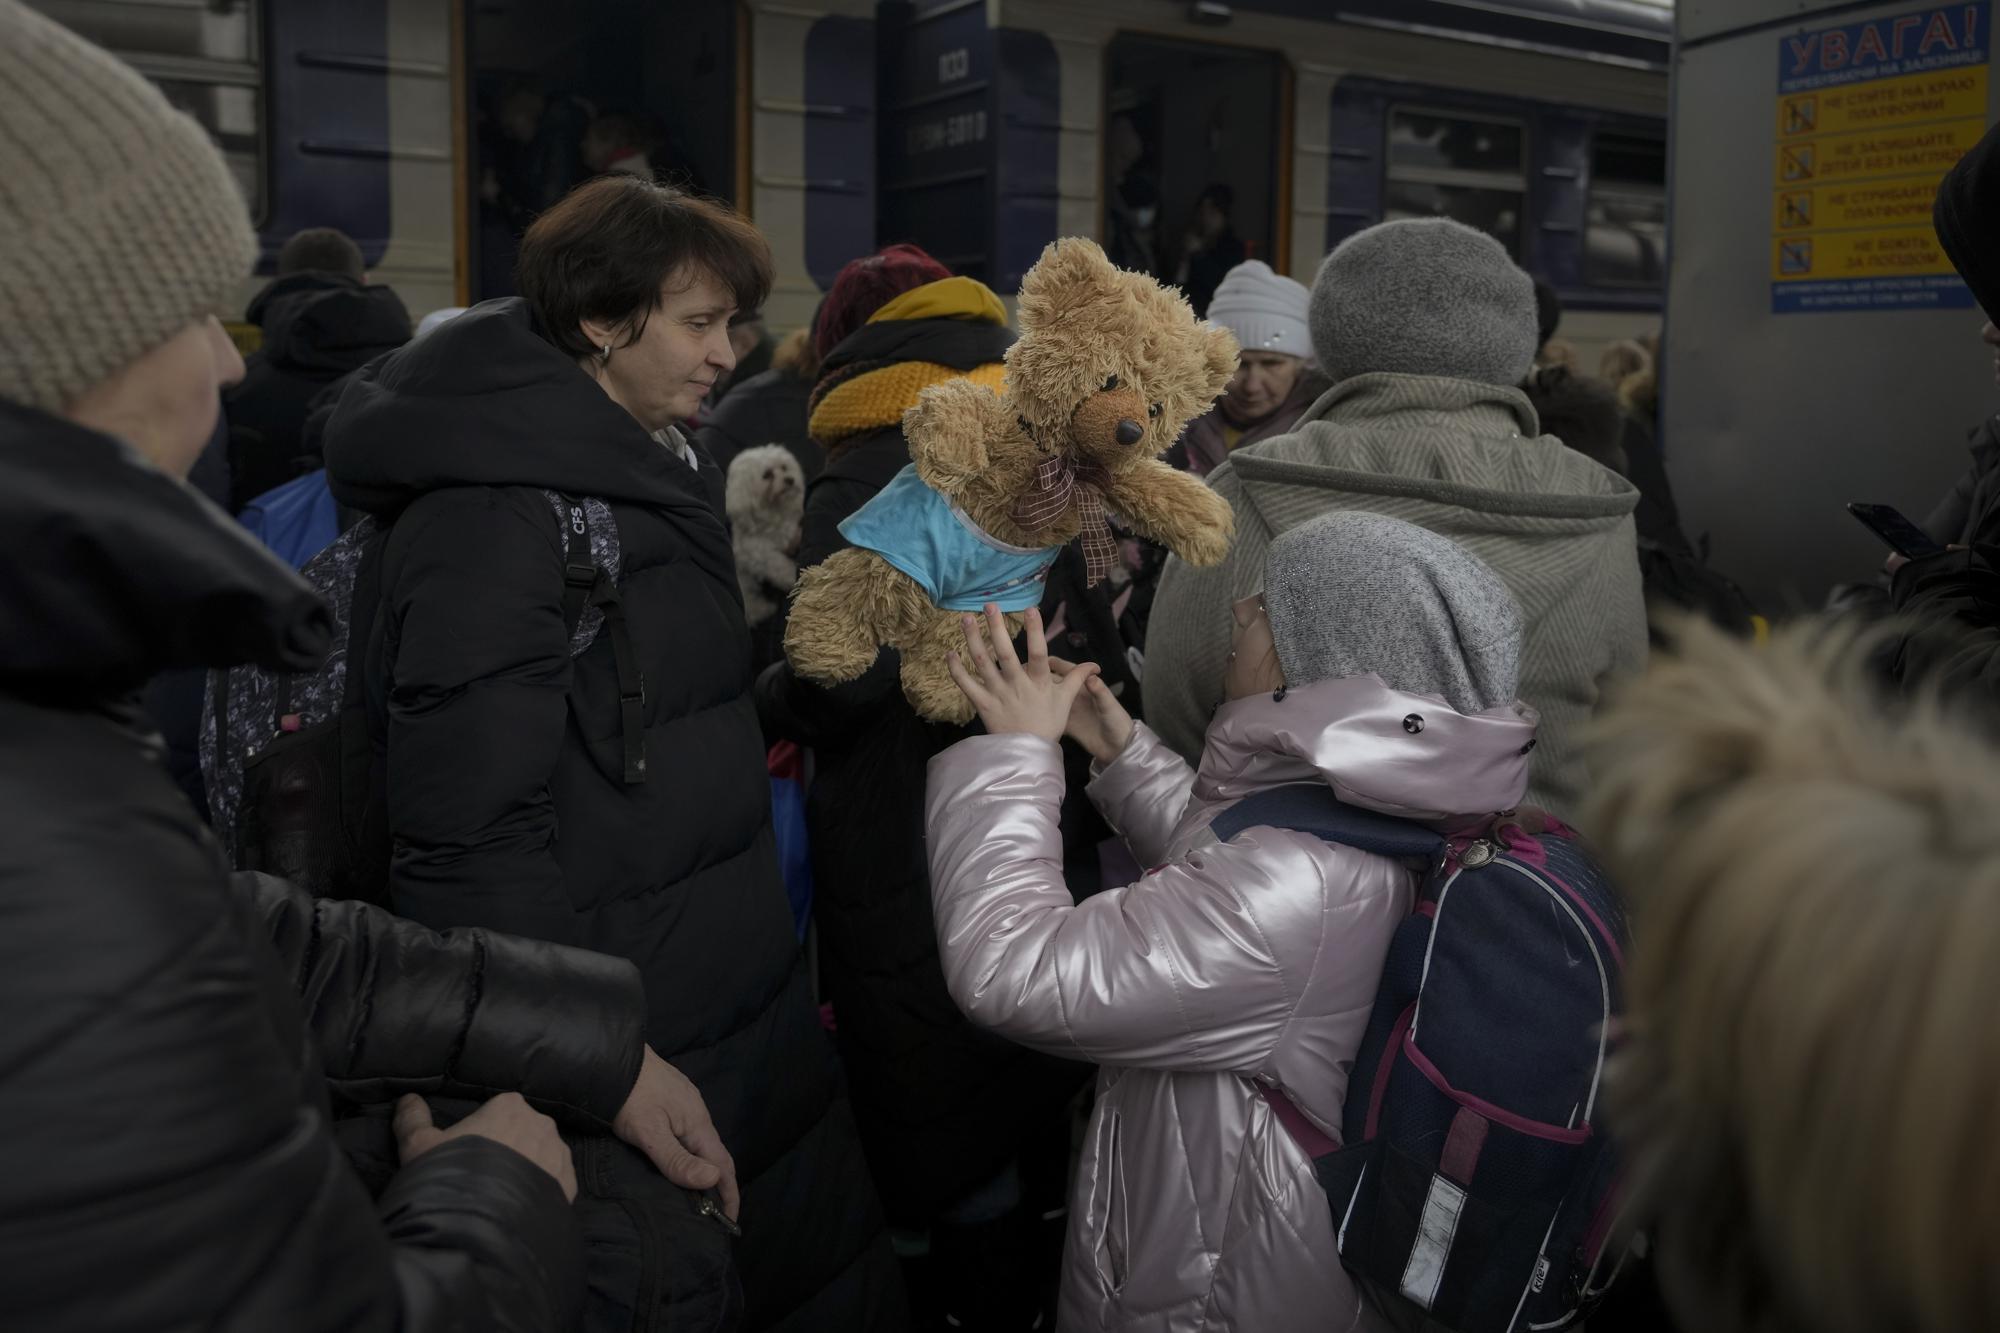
609 248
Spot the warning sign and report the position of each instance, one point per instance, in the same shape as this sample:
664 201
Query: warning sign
1869 117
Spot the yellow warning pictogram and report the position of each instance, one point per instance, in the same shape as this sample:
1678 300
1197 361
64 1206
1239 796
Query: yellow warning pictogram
1798 162
1795 258
1795 209
1801 114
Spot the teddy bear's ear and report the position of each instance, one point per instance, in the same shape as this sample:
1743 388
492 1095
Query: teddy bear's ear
1072 269
1219 346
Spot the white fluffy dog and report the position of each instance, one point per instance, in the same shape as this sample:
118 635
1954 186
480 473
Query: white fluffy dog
766 498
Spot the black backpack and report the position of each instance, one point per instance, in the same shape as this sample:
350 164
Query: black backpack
287 757
1472 1189
1675 579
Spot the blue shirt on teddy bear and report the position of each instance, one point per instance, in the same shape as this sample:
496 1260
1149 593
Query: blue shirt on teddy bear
958 564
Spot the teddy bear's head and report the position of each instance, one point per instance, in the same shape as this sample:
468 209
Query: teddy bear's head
1110 365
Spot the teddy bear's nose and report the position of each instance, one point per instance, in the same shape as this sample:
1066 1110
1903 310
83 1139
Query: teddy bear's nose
1129 431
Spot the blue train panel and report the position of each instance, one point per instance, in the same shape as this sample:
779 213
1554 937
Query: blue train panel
327 109
839 144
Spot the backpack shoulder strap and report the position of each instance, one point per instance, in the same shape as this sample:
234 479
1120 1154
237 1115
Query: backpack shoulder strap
1311 807
587 584
580 572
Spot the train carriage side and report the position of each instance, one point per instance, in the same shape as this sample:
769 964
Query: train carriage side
978 128
1005 124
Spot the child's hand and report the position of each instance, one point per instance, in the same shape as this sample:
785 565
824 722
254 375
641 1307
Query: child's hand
1013 699
1097 721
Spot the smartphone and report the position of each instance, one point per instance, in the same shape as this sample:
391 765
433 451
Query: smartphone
1896 531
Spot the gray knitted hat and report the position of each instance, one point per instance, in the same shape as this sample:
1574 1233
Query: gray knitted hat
1353 594
119 222
1424 296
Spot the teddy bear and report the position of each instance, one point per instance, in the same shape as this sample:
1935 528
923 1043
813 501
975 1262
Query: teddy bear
765 498
1109 368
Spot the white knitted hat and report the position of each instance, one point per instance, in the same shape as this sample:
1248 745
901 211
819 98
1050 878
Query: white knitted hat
1266 312
119 222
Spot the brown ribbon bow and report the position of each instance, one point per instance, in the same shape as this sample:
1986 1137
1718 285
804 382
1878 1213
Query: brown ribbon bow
1058 480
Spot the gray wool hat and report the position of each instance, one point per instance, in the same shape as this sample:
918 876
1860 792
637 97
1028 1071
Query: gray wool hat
1354 594
122 223
1424 296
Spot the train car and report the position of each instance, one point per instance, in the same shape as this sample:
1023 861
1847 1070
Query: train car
431 130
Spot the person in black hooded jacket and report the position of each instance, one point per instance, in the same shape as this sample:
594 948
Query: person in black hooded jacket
173 1034
1952 600
322 320
615 802
945 1109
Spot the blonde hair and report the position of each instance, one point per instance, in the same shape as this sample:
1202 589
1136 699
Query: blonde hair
1622 360
1811 1072
1640 393
795 353
1558 352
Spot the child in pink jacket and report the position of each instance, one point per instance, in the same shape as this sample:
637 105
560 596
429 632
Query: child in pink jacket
1380 659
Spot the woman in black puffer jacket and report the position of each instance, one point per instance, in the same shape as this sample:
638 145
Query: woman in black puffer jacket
616 799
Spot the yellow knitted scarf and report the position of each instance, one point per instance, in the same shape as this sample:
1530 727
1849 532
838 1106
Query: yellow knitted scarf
876 399
879 398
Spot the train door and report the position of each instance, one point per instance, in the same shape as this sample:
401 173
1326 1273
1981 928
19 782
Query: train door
560 93
1194 141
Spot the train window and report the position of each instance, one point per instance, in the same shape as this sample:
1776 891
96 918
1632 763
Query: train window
1625 234
207 56
1467 167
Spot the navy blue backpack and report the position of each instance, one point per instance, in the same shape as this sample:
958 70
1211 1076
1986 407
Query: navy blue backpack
1474 1185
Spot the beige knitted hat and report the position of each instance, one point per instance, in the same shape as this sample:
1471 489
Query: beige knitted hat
119 222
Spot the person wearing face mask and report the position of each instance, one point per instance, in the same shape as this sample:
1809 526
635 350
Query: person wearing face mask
1225 994
515 800
1275 379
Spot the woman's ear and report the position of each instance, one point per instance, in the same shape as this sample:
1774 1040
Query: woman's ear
598 332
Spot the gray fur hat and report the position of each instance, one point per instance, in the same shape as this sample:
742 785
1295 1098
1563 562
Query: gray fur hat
1424 296
1355 594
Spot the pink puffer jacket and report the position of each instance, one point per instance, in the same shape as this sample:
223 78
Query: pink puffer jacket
1232 965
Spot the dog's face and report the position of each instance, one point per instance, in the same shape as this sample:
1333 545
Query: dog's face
765 483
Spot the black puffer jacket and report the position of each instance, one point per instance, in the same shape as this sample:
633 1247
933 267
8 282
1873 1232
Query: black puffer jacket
505 773
766 408
165 1160
317 328
943 1106
1951 602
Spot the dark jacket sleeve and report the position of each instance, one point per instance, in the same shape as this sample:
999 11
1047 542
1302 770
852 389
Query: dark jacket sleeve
718 438
479 1230
479 674
398 1008
798 710
1953 604
167 1162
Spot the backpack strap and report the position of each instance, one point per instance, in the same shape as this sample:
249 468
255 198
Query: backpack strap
587 584
1311 807
579 570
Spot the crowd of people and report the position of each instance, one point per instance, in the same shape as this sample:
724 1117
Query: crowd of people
1067 1045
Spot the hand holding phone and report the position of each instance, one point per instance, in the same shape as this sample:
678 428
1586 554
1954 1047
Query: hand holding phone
1896 531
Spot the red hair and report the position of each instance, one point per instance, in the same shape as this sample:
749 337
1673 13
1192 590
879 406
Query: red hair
867 284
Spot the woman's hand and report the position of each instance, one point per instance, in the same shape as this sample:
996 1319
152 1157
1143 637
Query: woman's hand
1097 721
665 1118
1012 698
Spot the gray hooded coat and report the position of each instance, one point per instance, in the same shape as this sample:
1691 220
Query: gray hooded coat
1465 460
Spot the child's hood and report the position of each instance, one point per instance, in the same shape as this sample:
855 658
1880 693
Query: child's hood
1403 754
